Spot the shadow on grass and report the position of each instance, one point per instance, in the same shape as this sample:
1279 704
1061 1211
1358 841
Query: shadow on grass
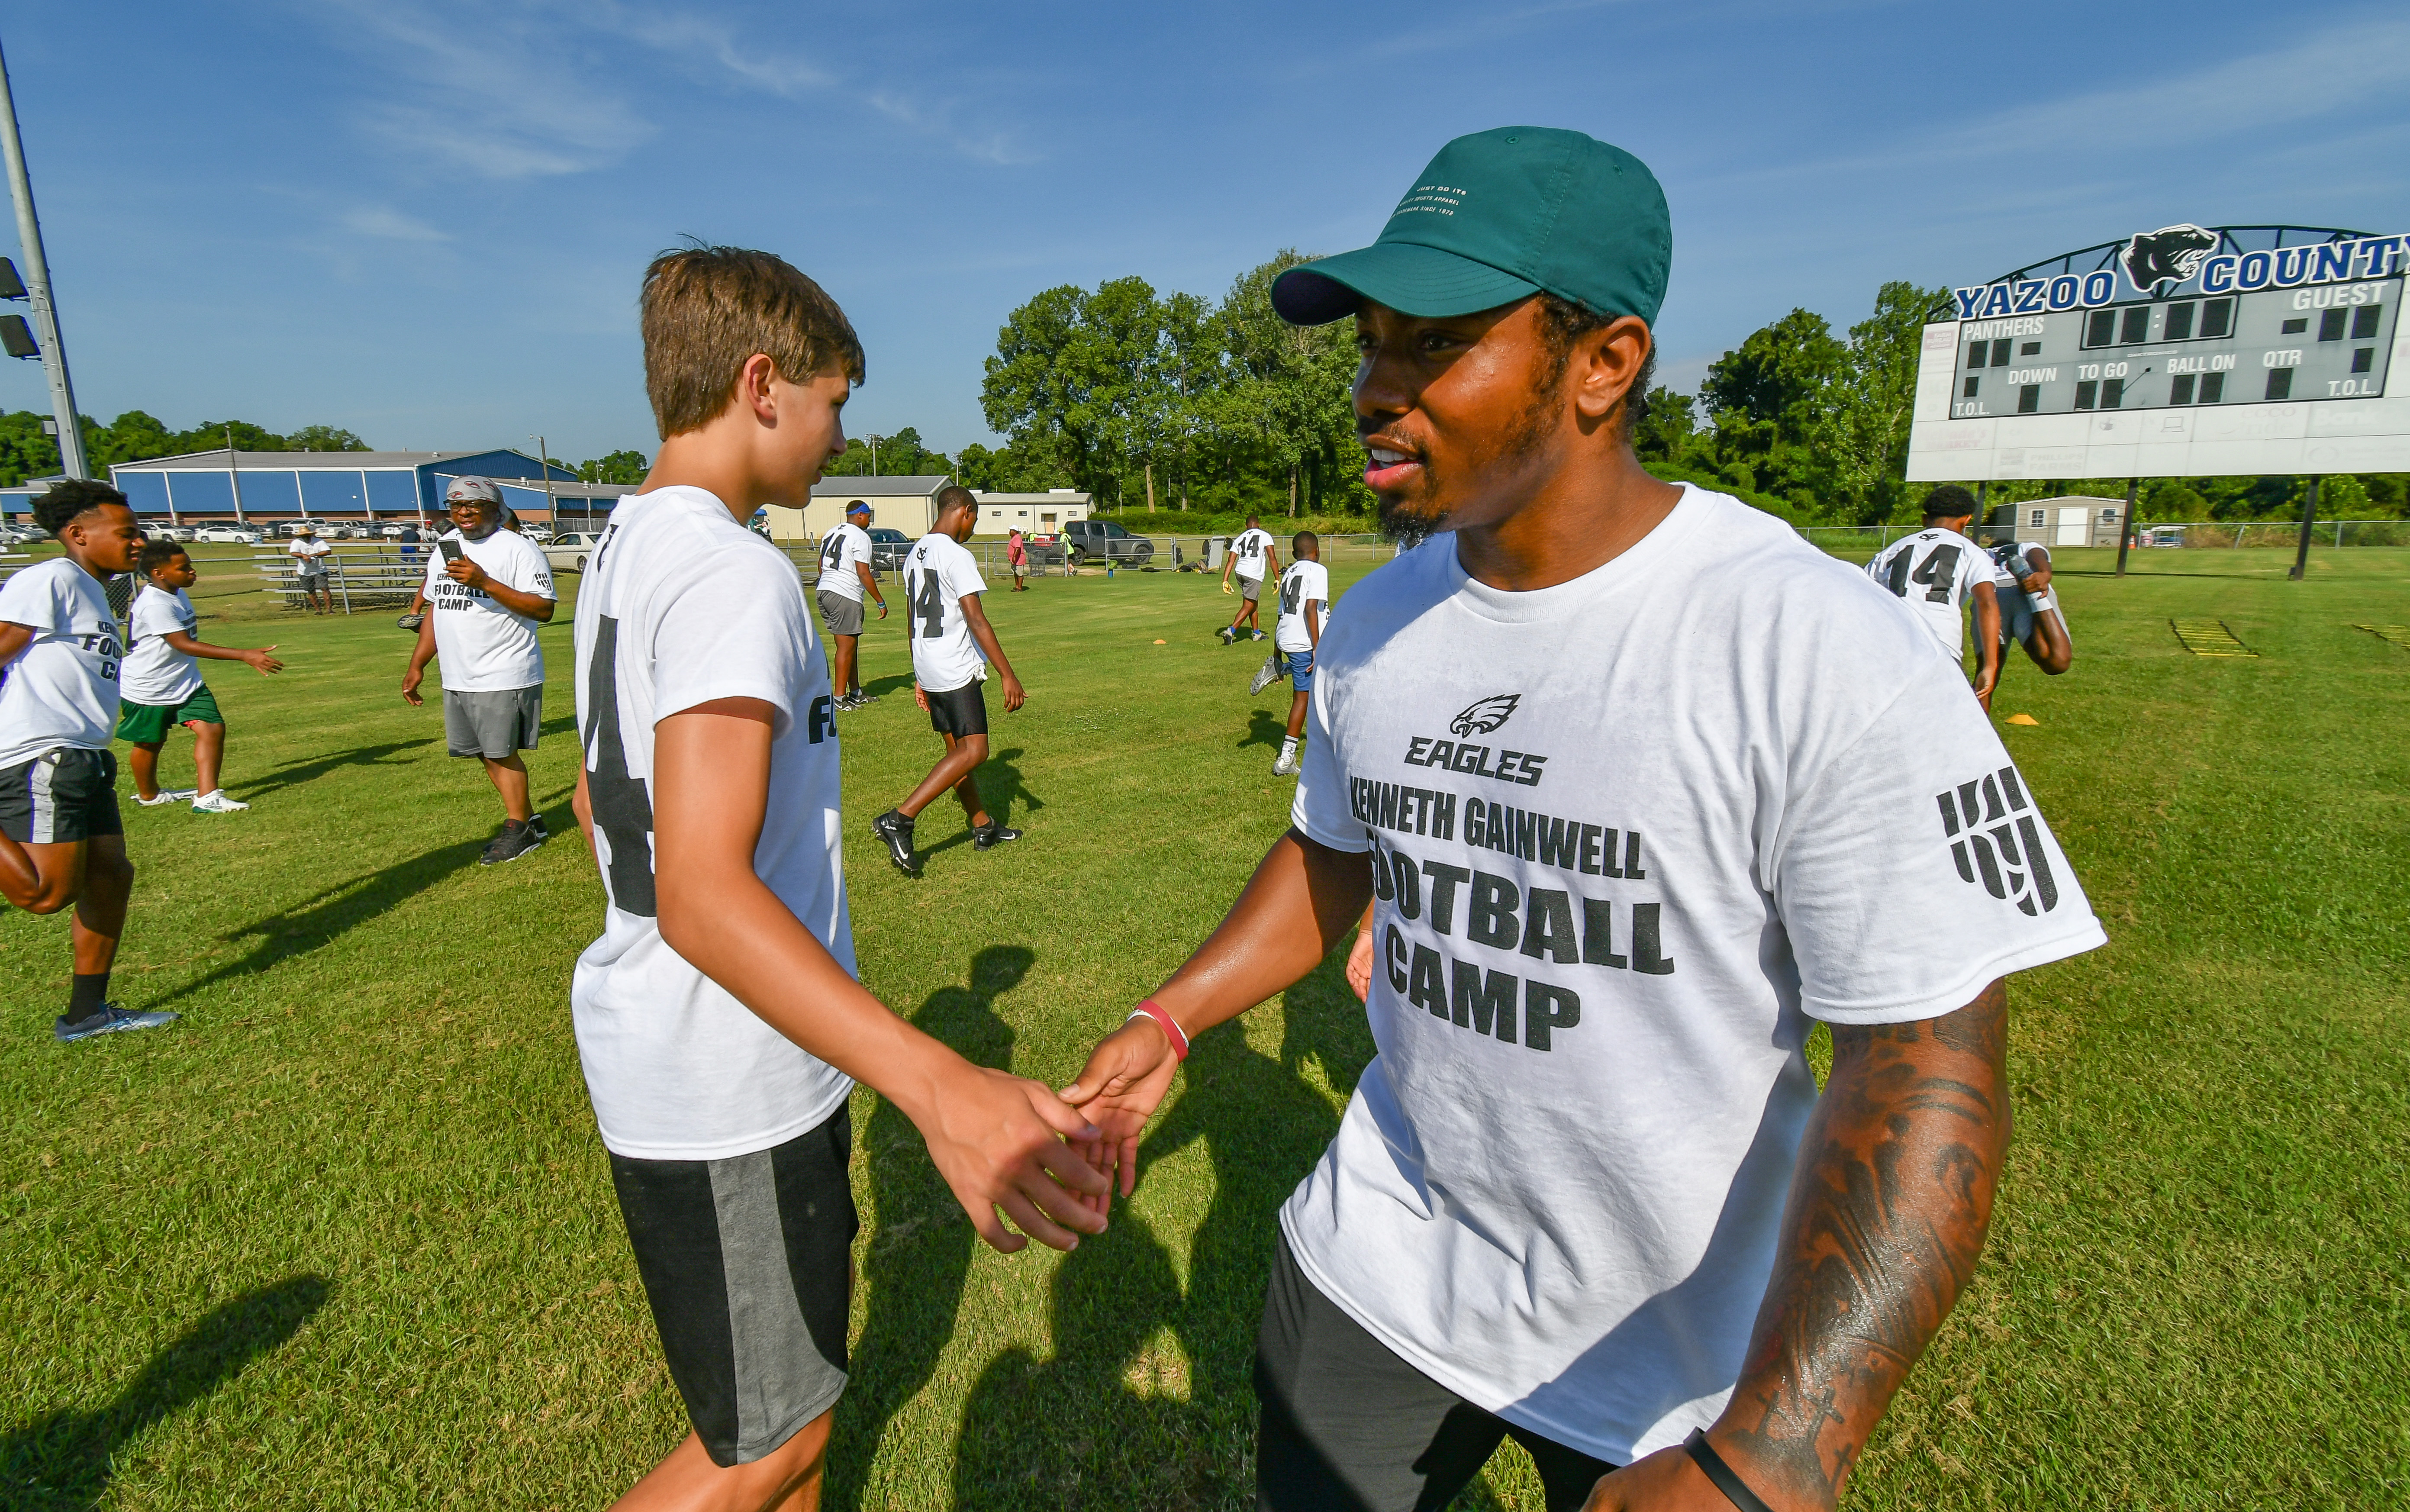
1264 727
64 1462
893 683
333 914
293 773
1002 794
1148 1400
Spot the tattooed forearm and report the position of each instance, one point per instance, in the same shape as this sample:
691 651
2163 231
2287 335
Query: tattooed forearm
1886 1216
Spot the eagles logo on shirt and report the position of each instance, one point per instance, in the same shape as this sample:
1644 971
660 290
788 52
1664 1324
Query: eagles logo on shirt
2002 840
1485 716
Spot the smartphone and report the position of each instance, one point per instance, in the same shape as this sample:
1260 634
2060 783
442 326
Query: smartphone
451 550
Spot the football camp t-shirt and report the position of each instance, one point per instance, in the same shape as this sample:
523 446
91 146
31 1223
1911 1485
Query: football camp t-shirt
1249 546
1629 835
61 689
308 556
1934 572
156 672
1305 582
682 605
937 576
484 647
842 550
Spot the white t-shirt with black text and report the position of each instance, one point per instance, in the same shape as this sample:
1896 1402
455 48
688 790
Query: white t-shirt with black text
938 576
307 554
1632 834
842 550
155 673
484 647
1934 573
62 690
1249 546
681 605
1305 582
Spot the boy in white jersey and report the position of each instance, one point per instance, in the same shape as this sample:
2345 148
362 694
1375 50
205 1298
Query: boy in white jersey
846 576
59 655
718 1020
160 686
952 645
2029 612
1252 555
1938 573
1304 592
1644 785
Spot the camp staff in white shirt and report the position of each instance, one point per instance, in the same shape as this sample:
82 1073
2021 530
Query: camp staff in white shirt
309 555
846 576
1252 556
1938 573
1645 785
486 590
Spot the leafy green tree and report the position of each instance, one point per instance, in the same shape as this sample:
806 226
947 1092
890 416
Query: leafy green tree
320 438
1866 410
1290 386
899 455
614 467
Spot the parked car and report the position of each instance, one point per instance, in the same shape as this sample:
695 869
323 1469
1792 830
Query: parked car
227 536
537 532
180 533
1089 538
888 549
567 552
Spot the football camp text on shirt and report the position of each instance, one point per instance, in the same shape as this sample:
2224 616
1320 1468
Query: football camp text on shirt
1629 835
480 645
61 689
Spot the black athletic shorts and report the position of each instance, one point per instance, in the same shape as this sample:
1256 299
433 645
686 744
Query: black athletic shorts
61 796
747 1262
1346 1426
959 711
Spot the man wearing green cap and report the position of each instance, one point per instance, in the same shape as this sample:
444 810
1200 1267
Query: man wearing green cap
1642 787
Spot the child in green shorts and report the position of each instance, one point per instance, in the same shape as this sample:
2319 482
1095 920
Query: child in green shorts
160 686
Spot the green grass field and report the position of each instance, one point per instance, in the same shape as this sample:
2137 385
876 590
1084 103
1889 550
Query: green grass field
344 1237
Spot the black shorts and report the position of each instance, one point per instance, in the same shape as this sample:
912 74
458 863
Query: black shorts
747 1264
959 711
1346 1426
61 796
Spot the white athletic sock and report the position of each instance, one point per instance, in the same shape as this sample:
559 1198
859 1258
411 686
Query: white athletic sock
1288 747
2043 602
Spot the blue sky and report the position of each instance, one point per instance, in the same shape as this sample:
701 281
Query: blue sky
425 220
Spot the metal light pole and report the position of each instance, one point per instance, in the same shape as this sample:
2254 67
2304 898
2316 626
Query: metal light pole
2126 526
234 472
38 286
543 464
2309 517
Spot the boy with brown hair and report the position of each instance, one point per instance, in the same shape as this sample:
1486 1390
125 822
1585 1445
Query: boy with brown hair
718 1019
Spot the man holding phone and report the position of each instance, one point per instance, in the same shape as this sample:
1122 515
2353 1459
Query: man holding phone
486 590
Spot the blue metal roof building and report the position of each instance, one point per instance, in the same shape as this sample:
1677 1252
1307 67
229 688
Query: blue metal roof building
332 486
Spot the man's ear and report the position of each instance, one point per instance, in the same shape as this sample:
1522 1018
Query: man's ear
1606 363
753 387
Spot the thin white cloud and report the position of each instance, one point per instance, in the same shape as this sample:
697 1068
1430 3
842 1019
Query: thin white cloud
385 222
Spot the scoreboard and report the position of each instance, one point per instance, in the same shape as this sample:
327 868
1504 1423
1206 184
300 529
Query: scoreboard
2187 354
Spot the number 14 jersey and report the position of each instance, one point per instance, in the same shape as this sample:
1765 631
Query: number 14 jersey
1934 573
937 576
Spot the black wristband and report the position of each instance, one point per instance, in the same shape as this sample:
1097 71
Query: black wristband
1736 1490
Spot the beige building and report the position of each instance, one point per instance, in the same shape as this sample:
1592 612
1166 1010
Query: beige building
905 504
1031 514
2067 520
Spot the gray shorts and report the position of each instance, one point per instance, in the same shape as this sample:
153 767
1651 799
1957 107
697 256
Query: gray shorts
1249 587
496 724
841 614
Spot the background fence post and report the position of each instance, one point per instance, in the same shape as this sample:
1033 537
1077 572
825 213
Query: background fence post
2309 517
2125 531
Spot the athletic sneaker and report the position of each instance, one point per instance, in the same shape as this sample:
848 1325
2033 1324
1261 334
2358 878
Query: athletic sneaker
863 698
1258 636
895 832
107 1019
216 802
169 795
1275 667
988 837
1286 765
517 839
537 824
1227 634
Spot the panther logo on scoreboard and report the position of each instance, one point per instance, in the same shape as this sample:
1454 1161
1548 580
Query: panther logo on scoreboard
2172 254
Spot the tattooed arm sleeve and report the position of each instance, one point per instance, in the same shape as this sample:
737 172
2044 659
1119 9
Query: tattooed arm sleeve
1887 1212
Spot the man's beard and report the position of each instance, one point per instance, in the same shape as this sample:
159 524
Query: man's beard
1409 521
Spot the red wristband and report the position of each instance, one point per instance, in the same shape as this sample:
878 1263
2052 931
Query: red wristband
1164 1021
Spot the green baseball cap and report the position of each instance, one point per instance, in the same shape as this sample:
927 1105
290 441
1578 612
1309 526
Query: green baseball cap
1498 216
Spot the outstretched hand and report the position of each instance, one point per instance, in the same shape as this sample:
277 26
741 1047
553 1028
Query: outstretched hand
1665 1481
1117 1092
1000 1142
261 663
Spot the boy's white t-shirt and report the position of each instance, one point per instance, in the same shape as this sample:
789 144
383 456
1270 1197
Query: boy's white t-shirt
484 647
938 576
1249 546
843 549
681 605
61 689
1934 573
155 673
1630 835
1304 582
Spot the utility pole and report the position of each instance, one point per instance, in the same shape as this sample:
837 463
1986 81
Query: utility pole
543 460
37 285
2309 517
2126 526
234 471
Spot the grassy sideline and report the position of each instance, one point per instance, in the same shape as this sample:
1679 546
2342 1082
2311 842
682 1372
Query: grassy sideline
344 1238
